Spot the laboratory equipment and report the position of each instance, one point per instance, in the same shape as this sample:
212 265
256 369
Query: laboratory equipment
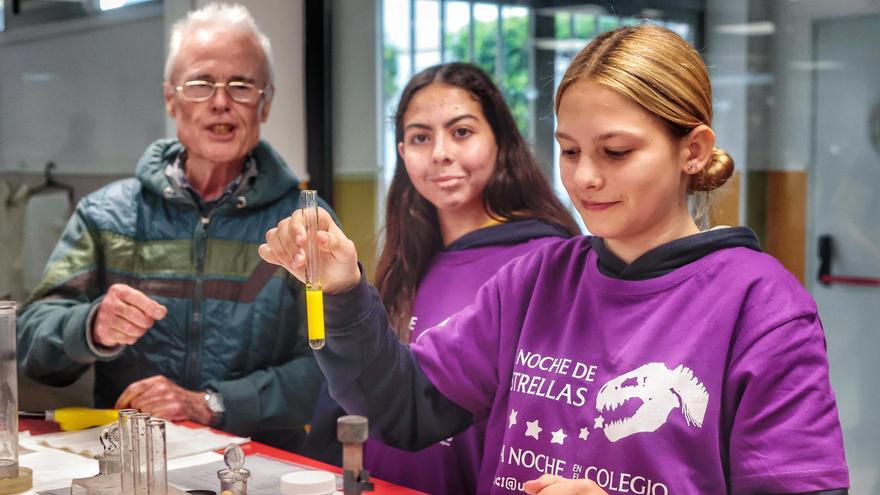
126 449
140 455
314 293
74 418
233 479
109 468
137 445
352 431
308 483
157 458
13 478
109 461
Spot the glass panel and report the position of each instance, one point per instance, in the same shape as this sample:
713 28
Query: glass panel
396 71
457 31
607 23
584 26
573 31
683 29
2 15
485 36
516 82
840 122
470 32
563 25
427 31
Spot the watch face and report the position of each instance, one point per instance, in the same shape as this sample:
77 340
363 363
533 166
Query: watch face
215 402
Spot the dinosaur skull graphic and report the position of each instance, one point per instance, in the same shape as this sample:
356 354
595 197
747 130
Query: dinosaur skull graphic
661 390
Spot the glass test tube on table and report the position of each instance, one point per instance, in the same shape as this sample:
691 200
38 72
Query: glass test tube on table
141 458
127 450
157 466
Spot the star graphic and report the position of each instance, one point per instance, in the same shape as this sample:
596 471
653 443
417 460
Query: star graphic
600 422
558 436
584 433
532 429
512 418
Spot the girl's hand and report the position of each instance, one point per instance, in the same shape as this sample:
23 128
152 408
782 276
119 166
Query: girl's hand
286 245
557 485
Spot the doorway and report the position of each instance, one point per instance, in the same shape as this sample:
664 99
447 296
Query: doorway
843 205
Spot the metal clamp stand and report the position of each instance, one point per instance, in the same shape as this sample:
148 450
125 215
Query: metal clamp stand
352 431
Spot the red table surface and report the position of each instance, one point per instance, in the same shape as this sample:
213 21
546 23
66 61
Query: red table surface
38 427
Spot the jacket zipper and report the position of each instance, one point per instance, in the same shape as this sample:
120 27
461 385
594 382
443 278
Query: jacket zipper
192 377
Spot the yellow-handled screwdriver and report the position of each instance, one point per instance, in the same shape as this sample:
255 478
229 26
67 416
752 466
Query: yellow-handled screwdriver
75 418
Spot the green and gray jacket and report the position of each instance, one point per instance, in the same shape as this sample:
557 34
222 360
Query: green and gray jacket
234 322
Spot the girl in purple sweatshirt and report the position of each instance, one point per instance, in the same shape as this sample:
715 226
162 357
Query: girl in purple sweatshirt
466 198
650 358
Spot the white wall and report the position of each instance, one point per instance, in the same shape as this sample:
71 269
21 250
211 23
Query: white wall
356 103
85 93
283 23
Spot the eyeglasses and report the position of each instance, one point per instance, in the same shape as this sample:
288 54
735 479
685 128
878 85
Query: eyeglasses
240 91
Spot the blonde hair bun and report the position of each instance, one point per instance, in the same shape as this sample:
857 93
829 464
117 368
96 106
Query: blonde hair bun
714 174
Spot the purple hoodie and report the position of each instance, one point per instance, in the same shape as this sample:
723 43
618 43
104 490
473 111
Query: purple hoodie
710 379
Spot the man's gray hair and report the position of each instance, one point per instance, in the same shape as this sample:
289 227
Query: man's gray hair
232 16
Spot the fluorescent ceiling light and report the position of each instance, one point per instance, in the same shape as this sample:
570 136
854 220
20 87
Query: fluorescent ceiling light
817 65
739 80
111 4
566 45
747 29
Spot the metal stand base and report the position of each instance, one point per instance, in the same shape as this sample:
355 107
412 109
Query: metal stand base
21 483
356 485
110 484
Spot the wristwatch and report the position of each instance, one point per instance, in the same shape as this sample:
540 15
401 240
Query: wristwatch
214 401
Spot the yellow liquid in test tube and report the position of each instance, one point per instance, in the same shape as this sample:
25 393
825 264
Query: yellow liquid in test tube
315 316
314 295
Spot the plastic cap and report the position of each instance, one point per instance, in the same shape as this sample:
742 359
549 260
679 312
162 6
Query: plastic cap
308 483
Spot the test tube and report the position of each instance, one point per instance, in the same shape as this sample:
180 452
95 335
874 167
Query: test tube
314 293
139 447
8 392
157 469
126 447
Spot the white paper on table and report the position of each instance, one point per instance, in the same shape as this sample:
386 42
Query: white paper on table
54 468
194 460
180 440
21 448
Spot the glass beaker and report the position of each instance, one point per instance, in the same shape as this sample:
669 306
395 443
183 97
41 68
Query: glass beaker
8 392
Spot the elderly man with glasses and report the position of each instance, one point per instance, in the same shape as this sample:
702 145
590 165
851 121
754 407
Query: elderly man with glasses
156 279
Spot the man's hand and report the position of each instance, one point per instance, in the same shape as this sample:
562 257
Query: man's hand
124 315
159 396
557 485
